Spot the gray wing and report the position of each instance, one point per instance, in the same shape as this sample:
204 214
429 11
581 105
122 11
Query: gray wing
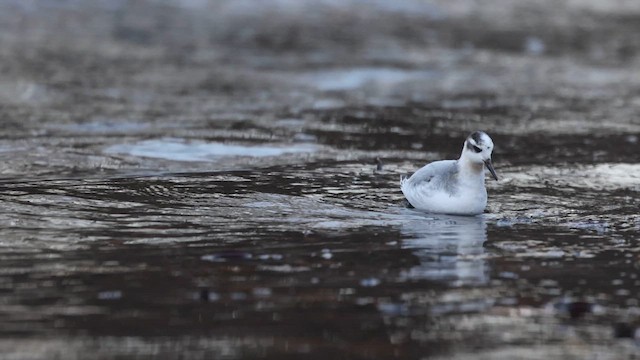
436 175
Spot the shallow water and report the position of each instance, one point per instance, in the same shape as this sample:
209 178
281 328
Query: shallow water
197 191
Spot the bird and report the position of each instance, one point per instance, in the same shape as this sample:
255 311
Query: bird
454 187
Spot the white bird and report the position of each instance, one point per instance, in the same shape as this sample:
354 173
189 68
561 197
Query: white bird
453 186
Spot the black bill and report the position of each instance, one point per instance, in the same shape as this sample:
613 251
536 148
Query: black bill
490 167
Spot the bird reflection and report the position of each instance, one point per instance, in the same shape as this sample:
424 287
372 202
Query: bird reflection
449 248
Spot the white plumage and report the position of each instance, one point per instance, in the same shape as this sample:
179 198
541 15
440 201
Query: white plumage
453 186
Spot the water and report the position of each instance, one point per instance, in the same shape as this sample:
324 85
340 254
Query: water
173 186
179 150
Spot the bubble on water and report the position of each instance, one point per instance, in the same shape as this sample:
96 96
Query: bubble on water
347 291
393 309
270 257
303 137
548 283
534 45
550 254
508 275
286 268
207 295
110 295
230 255
599 227
238 296
507 301
362 301
622 292
505 223
370 282
290 122
325 104
262 292
511 221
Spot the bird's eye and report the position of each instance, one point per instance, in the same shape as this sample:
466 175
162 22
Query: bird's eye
477 149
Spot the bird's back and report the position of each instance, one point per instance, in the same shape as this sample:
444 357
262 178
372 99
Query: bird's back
436 177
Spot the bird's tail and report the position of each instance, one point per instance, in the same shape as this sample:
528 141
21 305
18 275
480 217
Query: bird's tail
403 178
403 185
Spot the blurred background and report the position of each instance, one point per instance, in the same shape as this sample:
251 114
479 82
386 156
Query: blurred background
198 179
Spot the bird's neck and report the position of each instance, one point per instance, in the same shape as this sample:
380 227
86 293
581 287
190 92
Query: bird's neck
470 168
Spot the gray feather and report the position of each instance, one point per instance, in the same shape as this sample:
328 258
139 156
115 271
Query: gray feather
437 176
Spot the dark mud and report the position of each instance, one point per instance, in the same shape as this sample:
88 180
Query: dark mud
219 179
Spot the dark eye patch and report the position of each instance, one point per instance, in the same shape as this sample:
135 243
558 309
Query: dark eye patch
470 146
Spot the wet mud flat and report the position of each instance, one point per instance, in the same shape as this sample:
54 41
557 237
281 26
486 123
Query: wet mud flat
199 180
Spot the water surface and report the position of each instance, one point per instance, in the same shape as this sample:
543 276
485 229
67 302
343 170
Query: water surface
213 182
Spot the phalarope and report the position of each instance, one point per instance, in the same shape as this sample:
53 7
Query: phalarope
453 186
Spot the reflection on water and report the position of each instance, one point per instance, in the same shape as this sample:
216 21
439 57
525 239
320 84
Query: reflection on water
182 150
354 78
450 248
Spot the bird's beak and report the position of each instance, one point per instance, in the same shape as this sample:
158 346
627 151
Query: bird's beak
490 167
